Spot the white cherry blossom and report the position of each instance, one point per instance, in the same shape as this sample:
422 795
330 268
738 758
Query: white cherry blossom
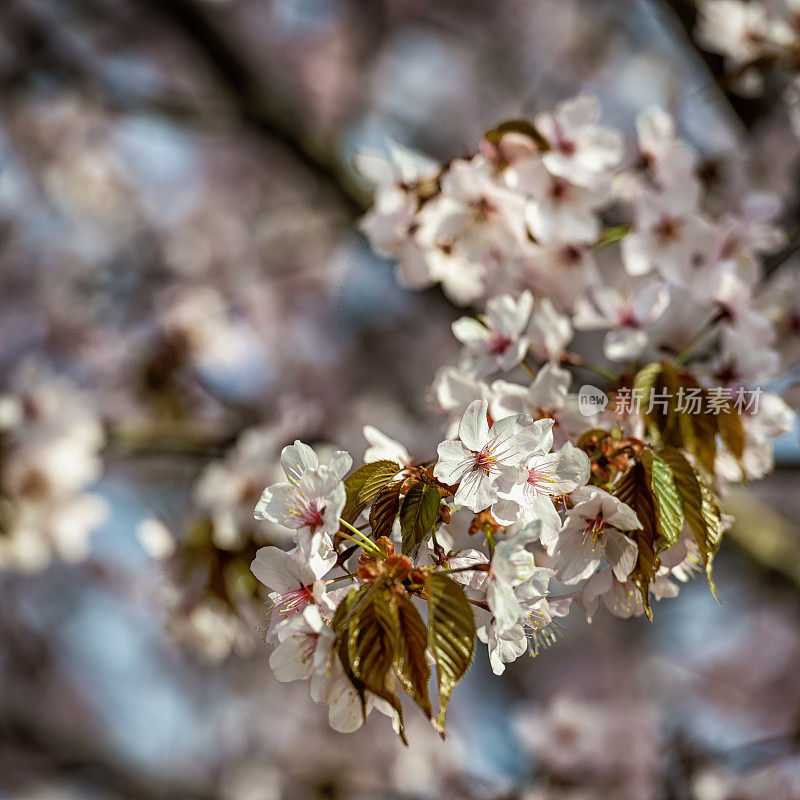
484 459
592 533
312 498
548 396
384 448
549 331
544 475
626 312
668 233
293 578
580 150
495 341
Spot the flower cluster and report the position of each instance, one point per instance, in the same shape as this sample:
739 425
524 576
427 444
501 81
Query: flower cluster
757 39
50 443
535 503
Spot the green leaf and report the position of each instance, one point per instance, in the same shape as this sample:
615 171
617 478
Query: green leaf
411 664
702 512
709 542
418 515
451 635
364 484
668 506
611 235
384 510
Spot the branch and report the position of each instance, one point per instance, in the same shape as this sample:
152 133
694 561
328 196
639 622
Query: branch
683 14
250 99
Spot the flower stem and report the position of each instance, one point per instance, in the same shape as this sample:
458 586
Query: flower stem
341 578
528 367
365 542
687 351
574 360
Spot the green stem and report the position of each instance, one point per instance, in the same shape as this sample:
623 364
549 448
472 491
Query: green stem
573 359
362 540
348 576
687 351
598 369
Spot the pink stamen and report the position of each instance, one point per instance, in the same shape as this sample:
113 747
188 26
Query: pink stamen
490 456
307 512
292 603
308 646
542 477
626 318
499 343
595 528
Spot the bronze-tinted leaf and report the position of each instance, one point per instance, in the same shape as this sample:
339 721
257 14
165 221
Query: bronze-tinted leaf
372 645
698 431
731 431
655 387
411 664
418 515
363 484
341 623
633 488
384 510
451 635
520 126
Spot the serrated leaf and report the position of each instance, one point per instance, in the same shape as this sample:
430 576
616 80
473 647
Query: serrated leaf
451 635
700 508
364 484
411 664
698 432
340 624
656 381
709 543
418 515
384 510
731 431
668 507
372 646
633 488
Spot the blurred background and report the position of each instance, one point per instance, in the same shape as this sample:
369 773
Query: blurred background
183 291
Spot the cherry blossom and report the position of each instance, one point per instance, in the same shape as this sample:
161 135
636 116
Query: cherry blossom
592 533
312 498
548 396
544 475
580 150
483 458
384 448
626 312
293 578
495 342
549 331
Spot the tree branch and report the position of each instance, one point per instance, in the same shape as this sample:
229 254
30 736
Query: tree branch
683 15
251 101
